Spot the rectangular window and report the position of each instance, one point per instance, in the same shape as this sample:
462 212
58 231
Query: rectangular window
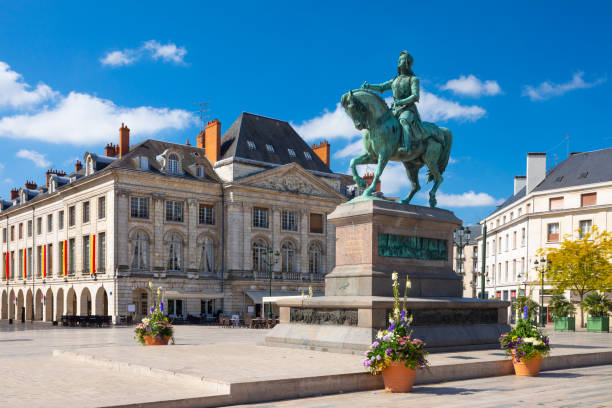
12 233
101 262
4 234
144 163
71 256
29 229
316 223
39 226
260 217
60 220
514 270
174 211
555 203
101 207
50 260
86 254
528 208
71 216
523 267
39 261
289 221
206 215
20 264
588 199
520 212
49 222
514 240
585 227
499 242
60 257
523 237
291 153
553 232
139 207
506 272
85 212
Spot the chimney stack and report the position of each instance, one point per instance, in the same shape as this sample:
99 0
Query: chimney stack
322 150
212 140
14 194
111 150
78 166
519 183
49 173
30 185
200 140
536 170
124 140
369 178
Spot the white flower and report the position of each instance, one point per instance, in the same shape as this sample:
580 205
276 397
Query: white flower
408 283
394 276
151 285
379 335
529 340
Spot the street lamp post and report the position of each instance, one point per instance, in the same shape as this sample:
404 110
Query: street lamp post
270 259
542 267
462 238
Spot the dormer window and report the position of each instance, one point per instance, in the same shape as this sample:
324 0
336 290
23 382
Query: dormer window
270 148
307 155
251 144
144 163
291 153
200 171
89 169
173 164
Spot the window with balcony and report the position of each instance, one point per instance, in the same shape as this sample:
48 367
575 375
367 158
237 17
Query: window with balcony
288 257
553 232
315 258
260 254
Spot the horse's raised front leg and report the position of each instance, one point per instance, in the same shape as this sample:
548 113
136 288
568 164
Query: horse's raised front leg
364 158
383 159
412 170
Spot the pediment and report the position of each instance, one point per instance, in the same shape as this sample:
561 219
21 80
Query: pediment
291 178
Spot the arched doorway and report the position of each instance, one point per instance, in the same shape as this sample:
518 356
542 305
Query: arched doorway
85 303
49 306
59 305
12 304
38 305
101 302
20 312
71 302
4 305
29 302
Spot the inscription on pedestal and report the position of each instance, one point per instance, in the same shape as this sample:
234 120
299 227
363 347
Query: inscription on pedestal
342 317
451 317
404 246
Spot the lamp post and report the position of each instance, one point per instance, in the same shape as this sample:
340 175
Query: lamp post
462 238
541 267
270 259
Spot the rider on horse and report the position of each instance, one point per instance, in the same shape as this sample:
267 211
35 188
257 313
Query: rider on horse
405 88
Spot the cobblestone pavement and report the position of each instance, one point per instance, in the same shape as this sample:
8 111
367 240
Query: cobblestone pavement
579 387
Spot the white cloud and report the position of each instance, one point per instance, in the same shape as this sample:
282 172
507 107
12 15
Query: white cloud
149 49
15 93
467 199
83 119
434 108
38 159
548 90
330 125
472 86
350 150
8 180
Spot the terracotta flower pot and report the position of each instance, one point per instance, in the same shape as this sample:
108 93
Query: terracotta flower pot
529 368
398 377
156 341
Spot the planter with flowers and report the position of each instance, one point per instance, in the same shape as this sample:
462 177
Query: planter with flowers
155 329
527 345
395 353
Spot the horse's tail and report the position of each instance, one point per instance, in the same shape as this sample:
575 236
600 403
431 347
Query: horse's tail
445 155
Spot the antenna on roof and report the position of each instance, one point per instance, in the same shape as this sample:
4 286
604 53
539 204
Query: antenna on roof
203 114
567 145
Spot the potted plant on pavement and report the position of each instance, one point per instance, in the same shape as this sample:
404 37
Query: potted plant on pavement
563 313
527 345
155 329
597 305
395 353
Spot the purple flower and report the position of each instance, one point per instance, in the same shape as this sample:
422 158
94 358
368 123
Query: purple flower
403 314
525 312
375 344
367 363
388 352
392 326
161 306
152 309
378 357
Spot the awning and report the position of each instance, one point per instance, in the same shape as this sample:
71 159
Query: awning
258 295
192 295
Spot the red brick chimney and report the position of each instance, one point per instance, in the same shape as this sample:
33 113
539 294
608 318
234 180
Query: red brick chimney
78 166
50 172
30 185
212 140
124 140
200 139
14 193
322 150
111 150
369 178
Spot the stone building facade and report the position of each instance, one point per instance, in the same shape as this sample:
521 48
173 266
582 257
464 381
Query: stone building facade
204 222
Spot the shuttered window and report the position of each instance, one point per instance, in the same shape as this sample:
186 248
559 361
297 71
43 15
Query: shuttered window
556 203
588 199
316 223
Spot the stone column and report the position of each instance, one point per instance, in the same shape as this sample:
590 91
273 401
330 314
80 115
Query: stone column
191 257
156 245
122 214
234 247
247 228
302 264
329 254
275 227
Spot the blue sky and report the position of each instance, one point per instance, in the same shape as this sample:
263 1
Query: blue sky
506 79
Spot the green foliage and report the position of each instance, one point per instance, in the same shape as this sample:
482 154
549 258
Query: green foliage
561 307
596 304
155 324
532 306
525 341
396 343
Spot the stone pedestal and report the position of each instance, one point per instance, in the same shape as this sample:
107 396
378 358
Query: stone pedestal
374 239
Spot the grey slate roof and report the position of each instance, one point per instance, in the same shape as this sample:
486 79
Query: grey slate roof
578 169
264 131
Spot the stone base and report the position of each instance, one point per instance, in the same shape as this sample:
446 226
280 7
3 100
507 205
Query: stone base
350 324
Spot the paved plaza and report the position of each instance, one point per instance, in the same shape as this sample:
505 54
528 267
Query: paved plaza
205 353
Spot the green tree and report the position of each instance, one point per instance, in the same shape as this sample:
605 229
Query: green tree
561 307
581 265
596 304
